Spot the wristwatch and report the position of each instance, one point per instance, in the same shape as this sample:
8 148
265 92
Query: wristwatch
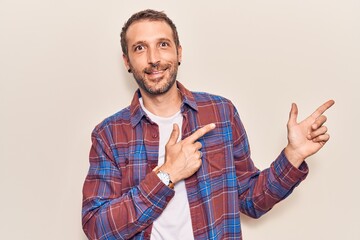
165 178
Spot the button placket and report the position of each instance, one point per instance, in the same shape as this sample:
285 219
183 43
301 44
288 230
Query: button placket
154 131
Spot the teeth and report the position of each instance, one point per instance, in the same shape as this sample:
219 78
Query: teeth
156 72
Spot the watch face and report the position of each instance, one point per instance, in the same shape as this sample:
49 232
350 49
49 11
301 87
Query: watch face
164 177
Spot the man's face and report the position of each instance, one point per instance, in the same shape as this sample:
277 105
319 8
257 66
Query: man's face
152 55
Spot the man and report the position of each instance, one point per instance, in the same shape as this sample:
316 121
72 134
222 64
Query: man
176 164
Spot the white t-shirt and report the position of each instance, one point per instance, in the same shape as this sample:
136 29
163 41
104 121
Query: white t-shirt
175 221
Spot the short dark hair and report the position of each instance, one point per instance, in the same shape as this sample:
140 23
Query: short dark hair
150 15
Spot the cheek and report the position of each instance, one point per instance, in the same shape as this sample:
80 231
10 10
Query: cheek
137 63
171 57
168 55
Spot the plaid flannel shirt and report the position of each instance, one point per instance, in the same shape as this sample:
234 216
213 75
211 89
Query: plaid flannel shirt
122 196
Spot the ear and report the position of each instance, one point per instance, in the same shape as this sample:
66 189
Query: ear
126 61
179 51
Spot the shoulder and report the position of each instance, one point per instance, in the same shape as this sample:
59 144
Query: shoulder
204 98
213 107
122 117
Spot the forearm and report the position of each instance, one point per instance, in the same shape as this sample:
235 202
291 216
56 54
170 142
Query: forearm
126 215
268 187
113 206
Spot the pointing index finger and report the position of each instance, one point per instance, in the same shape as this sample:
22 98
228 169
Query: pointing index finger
322 109
200 132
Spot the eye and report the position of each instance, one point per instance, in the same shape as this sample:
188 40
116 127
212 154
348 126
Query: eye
139 48
164 44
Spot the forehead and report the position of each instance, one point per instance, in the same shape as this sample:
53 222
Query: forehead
148 31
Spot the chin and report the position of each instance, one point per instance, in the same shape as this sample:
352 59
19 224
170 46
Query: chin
159 88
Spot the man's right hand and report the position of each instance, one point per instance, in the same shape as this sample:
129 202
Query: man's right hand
183 159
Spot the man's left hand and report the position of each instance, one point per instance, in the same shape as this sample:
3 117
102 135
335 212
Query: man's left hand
307 137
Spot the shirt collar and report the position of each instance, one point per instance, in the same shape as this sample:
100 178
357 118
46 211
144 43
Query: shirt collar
137 113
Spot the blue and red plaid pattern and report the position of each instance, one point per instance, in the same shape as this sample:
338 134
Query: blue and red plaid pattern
122 196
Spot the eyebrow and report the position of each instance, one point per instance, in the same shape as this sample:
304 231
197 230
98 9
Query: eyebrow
164 39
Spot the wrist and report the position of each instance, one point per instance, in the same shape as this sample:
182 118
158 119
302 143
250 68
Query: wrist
294 158
174 176
164 177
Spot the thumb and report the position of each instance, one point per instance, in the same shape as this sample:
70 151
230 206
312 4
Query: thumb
293 115
174 135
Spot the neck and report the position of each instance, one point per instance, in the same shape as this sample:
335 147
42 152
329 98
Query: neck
164 105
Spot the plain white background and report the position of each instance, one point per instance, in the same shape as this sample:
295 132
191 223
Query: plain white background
62 73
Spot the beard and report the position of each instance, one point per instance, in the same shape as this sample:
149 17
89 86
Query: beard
160 87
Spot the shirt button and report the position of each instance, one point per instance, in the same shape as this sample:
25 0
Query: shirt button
154 135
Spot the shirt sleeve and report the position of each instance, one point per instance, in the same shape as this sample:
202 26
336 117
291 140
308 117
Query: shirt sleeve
259 190
107 211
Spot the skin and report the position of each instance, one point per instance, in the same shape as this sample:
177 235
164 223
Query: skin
151 43
307 137
153 59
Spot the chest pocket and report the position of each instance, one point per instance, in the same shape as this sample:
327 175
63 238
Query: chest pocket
216 145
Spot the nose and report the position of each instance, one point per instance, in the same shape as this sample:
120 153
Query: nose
153 56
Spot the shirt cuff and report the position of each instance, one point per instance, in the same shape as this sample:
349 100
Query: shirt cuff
156 191
289 175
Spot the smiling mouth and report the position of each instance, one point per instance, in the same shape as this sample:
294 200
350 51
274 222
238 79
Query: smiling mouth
155 71
155 74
